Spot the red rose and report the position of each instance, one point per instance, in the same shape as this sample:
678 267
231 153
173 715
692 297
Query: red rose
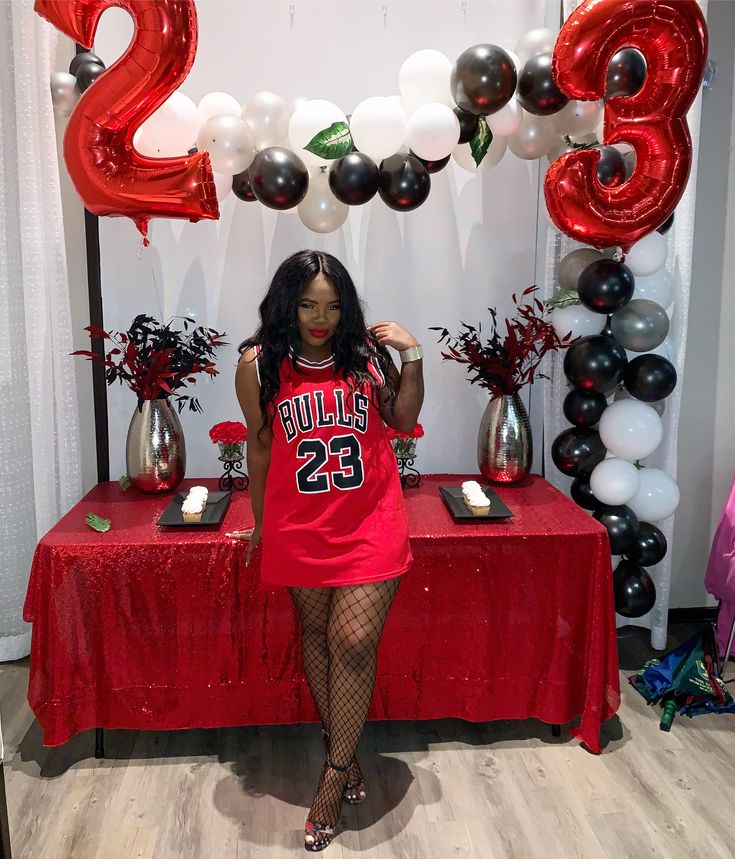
229 432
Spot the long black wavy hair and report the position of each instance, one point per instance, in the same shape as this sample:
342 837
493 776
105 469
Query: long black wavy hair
278 333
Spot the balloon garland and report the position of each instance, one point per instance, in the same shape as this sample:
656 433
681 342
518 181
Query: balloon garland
616 304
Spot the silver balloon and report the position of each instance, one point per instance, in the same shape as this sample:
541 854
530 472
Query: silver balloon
534 138
268 115
557 150
659 406
320 210
538 41
64 94
574 264
578 118
229 141
641 325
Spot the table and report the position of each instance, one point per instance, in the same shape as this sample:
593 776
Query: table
144 627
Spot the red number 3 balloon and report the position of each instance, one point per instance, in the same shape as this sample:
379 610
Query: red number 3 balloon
110 176
672 36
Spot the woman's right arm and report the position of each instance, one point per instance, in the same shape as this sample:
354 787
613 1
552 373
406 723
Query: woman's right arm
247 388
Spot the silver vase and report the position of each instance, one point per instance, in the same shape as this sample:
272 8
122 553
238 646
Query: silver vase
504 443
155 452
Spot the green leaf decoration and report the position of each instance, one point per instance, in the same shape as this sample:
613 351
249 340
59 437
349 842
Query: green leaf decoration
124 482
564 298
332 142
481 141
97 523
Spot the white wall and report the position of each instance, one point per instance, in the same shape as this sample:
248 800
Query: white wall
706 453
472 244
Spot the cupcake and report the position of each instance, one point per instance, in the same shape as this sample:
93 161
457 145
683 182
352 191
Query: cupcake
475 499
194 504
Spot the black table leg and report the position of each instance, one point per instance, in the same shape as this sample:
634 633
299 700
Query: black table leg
99 742
4 823
556 730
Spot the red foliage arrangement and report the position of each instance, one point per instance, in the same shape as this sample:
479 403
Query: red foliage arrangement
504 365
416 432
154 360
229 432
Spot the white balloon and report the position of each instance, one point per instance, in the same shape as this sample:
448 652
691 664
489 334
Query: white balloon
425 77
614 481
537 41
658 287
268 115
172 129
378 127
64 93
320 210
222 185
462 154
219 104
507 120
578 320
631 429
230 143
307 121
578 117
534 137
647 255
557 150
432 131
657 496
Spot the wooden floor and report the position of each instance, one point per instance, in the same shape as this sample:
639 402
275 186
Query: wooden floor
436 789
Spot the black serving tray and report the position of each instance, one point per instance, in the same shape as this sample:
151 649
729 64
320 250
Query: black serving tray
452 496
214 512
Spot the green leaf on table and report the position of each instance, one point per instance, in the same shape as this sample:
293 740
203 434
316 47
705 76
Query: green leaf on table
481 140
97 523
124 482
332 142
564 298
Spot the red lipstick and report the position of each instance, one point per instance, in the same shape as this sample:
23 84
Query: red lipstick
319 333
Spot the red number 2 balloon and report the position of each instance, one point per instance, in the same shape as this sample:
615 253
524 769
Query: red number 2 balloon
672 36
110 176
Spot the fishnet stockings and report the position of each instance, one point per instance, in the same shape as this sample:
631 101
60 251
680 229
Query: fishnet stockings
341 630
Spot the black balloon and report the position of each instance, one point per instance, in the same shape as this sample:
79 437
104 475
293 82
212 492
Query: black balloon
605 285
468 123
483 79
87 74
650 546
595 363
404 182
354 178
537 92
666 226
584 408
432 166
242 188
611 167
576 450
633 589
278 178
192 151
581 492
622 527
626 73
84 57
607 330
650 378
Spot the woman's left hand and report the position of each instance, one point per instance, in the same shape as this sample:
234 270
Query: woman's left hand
393 334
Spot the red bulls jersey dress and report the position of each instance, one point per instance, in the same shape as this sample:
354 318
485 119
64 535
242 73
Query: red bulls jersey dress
333 511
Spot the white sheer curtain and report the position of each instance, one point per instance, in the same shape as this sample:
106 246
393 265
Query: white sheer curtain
679 263
40 457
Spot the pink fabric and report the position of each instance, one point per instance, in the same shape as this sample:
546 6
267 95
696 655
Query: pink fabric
720 577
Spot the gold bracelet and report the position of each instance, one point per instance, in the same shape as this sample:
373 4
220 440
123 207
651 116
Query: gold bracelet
413 353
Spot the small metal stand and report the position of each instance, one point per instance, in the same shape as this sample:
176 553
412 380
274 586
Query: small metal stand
410 476
234 476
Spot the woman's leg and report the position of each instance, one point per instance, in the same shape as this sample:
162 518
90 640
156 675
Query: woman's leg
356 620
313 607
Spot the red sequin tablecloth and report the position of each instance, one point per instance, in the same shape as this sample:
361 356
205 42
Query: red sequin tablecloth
146 627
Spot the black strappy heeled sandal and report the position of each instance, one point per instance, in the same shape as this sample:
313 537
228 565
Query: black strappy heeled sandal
355 792
317 834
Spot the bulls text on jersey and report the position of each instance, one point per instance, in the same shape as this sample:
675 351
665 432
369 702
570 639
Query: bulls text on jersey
302 414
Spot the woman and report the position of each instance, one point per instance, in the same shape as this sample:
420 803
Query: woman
326 495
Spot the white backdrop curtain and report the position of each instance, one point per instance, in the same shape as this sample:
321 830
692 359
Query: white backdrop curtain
679 263
40 455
